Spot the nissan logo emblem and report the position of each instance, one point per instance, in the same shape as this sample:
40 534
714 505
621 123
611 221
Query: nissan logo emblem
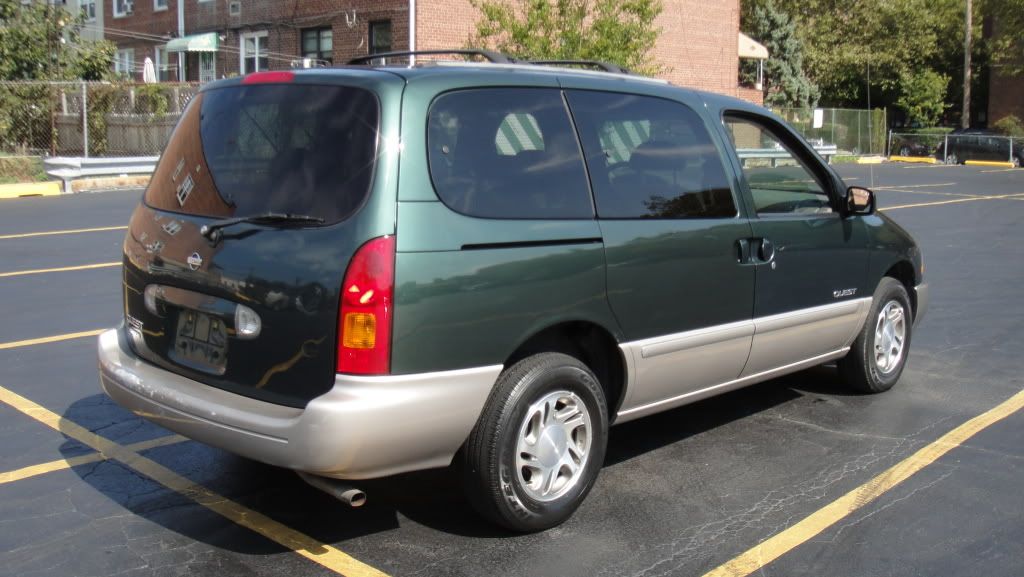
195 261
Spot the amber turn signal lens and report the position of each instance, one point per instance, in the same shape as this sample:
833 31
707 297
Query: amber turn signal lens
360 331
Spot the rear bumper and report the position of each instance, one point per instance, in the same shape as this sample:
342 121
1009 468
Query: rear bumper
922 299
364 427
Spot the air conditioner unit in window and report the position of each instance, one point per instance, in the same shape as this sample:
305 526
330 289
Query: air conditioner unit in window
235 8
129 7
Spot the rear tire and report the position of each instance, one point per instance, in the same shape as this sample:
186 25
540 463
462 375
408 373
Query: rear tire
879 353
539 444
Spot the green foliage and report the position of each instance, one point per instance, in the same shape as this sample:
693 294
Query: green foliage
153 99
785 82
618 31
923 94
21 169
39 41
1006 45
1010 126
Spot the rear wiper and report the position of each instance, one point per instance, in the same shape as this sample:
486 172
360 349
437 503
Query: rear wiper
213 231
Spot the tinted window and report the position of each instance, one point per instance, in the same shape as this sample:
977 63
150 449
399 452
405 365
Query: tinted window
507 153
248 150
650 158
780 181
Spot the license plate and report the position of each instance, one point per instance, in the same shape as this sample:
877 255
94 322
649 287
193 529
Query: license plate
201 341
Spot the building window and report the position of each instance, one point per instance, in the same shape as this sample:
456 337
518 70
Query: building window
207 67
318 44
124 62
122 8
253 52
380 37
163 65
89 10
159 5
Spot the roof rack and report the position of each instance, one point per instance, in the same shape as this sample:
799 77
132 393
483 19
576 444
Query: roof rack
603 66
489 55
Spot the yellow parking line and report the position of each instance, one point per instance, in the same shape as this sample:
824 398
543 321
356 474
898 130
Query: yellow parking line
53 339
56 232
62 464
1001 170
60 269
974 198
916 186
326 555
933 192
774 547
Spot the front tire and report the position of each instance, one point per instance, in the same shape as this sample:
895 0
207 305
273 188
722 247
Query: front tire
879 353
539 444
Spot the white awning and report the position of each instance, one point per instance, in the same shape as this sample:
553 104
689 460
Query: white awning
750 48
196 43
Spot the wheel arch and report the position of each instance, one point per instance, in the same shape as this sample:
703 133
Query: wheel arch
591 343
903 271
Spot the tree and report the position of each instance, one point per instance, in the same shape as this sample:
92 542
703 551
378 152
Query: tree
617 31
922 96
785 82
41 41
1007 43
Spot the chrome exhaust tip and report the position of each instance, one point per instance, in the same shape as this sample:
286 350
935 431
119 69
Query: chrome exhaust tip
336 488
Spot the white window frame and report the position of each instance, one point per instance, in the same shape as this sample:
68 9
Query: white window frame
162 63
124 62
119 7
157 5
84 5
261 46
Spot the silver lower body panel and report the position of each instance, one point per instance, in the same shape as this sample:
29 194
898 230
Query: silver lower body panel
364 427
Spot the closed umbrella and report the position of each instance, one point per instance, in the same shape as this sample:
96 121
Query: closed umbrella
148 71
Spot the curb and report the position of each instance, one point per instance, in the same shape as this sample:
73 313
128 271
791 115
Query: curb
106 183
871 160
989 163
24 189
916 159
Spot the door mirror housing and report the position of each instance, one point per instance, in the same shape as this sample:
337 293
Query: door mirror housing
860 200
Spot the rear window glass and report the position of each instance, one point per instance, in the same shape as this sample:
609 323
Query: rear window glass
507 153
289 148
650 158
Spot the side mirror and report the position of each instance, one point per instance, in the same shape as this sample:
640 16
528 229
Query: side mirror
860 200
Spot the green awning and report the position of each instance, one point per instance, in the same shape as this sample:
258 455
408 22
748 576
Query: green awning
196 43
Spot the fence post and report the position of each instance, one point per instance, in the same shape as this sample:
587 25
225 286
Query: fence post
888 147
85 121
945 149
1010 160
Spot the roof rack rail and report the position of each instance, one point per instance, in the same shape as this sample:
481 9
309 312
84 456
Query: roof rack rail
490 55
604 66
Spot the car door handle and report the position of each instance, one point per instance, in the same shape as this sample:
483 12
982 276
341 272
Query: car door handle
743 251
765 250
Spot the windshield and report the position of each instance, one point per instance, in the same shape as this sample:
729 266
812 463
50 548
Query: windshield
285 148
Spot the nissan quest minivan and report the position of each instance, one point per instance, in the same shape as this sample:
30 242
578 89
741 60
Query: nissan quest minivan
372 269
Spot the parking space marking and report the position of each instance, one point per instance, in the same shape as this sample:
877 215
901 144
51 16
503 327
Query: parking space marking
328 556
1016 196
53 339
917 186
62 464
60 269
1001 170
56 232
774 547
931 192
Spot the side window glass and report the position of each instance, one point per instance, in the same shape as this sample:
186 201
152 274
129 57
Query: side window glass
507 153
780 182
650 158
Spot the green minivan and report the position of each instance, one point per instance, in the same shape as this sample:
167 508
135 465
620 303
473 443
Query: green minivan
373 269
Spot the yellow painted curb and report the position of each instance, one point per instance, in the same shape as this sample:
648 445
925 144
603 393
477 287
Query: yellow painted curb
989 163
871 160
918 159
29 189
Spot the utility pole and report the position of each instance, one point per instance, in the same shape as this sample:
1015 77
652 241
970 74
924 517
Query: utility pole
965 116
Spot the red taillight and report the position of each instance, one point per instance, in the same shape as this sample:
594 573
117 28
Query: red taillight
364 316
269 77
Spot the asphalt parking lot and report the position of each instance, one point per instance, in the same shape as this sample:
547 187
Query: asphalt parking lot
790 477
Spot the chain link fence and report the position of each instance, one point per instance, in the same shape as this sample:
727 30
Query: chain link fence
89 119
854 132
959 148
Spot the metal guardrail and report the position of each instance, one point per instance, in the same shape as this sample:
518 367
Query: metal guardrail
775 154
69 168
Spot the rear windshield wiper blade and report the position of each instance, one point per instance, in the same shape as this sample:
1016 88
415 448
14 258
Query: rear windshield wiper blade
213 231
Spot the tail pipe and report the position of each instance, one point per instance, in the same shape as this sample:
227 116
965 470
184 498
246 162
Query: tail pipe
340 490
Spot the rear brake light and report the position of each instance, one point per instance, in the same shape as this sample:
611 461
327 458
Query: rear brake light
364 316
269 77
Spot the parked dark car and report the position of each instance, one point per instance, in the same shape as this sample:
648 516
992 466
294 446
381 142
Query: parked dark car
979 144
366 270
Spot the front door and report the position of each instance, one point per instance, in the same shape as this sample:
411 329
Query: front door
670 222
810 261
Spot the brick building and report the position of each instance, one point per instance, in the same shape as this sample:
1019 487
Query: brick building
201 40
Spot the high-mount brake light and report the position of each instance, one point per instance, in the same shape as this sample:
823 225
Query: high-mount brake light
271 77
366 308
